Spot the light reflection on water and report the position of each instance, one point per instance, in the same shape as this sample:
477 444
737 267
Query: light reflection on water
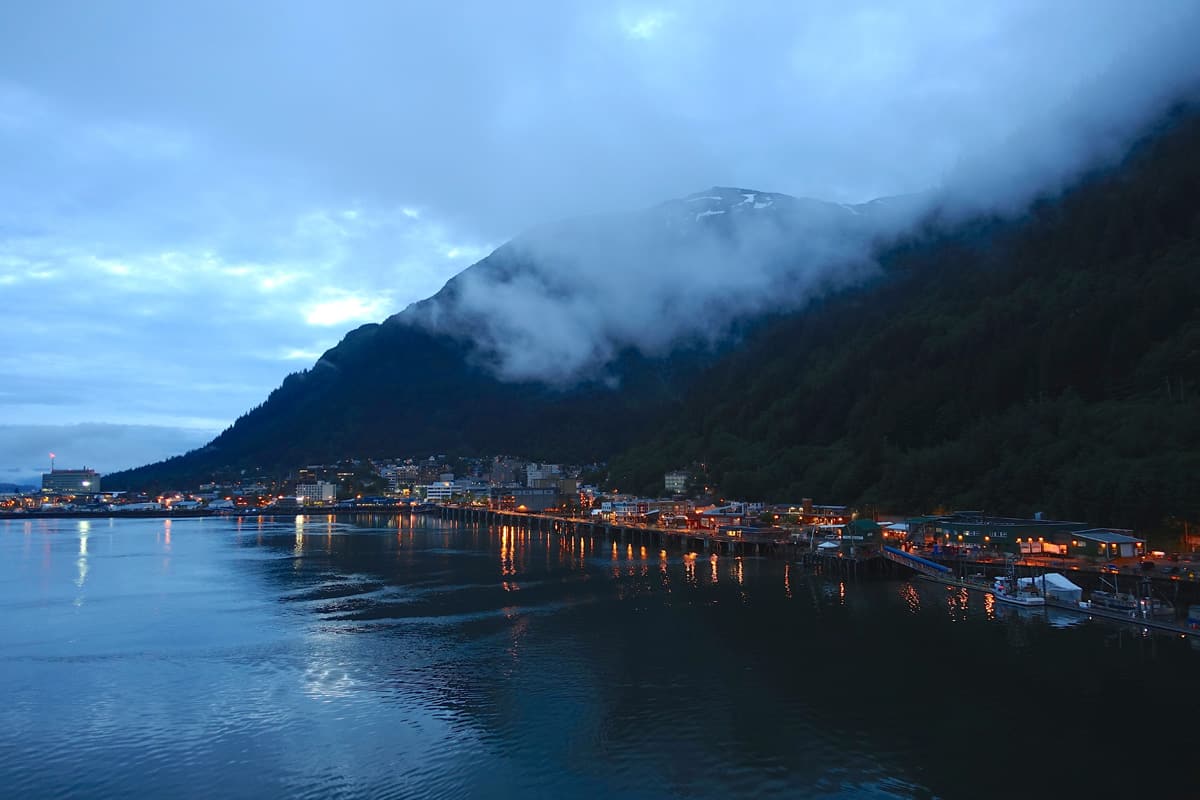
329 656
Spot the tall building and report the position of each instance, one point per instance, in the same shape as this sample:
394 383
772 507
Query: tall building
317 493
70 481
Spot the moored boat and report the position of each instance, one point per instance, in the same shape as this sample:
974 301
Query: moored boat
1006 589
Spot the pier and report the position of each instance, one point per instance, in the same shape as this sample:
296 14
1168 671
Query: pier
939 573
688 540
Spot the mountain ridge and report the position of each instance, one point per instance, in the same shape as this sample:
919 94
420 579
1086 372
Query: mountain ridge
811 399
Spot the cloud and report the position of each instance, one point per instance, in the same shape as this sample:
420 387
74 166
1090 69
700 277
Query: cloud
560 303
124 313
24 449
645 25
344 309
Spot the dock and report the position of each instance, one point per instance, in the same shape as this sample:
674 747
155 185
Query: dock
933 571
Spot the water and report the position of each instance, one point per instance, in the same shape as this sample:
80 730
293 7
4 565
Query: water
368 657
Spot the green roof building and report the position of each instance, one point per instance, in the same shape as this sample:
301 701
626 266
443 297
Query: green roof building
1007 534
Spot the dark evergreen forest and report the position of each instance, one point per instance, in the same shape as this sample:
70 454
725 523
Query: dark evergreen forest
1048 363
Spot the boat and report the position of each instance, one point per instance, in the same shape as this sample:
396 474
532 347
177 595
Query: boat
1121 602
1147 606
1006 589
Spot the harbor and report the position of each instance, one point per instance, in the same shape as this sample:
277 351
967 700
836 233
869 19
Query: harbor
885 561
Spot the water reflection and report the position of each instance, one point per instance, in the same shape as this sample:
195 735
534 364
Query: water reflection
81 563
689 568
958 603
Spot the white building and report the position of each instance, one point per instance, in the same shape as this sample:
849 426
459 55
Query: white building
440 491
318 493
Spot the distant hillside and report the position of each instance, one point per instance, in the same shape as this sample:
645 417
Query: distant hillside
1048 363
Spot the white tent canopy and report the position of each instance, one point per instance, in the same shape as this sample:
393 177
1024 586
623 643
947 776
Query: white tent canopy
1055 586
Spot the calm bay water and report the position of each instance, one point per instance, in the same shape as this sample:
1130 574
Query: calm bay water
372 657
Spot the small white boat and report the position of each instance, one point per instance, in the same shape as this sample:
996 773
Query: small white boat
1007 590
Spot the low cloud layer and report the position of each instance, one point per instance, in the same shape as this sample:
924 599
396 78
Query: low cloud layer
561 302
199 198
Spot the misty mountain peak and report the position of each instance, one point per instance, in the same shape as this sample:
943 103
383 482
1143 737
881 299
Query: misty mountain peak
720 200
720 203
562 302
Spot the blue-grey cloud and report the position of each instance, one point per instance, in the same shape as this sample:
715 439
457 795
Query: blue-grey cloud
201 197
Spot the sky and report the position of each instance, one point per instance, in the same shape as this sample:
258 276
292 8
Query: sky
199 198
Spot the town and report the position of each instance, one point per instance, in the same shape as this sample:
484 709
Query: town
518 486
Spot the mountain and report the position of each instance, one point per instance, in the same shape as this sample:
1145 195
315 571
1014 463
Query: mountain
570 342
1047 363
788 348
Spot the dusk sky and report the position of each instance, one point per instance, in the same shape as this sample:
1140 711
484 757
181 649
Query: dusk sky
199 198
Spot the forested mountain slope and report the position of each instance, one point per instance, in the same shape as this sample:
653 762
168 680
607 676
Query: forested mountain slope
1045 363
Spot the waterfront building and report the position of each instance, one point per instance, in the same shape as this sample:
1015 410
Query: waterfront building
439 491
809 513
864 531
1107 543
71 481
731 514
522 498
319 493
977 531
